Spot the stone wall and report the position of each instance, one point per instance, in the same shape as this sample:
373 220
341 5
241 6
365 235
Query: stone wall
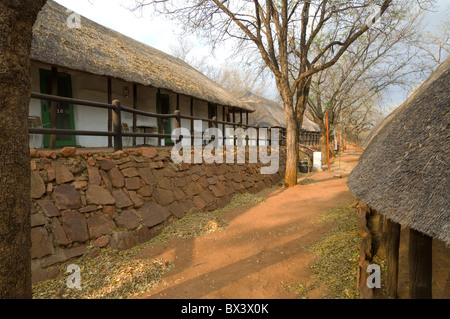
83 201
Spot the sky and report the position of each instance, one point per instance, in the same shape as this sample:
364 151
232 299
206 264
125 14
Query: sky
154 31
160 33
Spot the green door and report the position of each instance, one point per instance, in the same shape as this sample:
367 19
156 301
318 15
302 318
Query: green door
163 107
64 111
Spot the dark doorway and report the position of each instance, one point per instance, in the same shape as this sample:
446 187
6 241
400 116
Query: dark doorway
163 107
64 111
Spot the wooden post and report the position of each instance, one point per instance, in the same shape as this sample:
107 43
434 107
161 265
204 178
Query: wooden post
420 266
234 127
217 110
328 144
223 125
117 125
191 110
269 135
257 135
177 120
110 125
158 110
339 139
246 117
392 243
343 138
53 106
134 115
280 136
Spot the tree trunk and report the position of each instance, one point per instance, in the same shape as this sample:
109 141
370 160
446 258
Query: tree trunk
323 143
290 178
16 22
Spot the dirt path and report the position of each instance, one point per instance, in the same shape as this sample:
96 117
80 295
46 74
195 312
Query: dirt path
261 253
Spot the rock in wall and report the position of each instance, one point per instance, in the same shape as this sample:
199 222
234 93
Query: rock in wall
123 199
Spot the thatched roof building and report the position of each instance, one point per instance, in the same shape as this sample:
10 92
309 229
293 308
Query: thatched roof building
271 114
404 172
98 50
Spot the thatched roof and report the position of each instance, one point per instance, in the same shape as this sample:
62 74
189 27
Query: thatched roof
404 172
96 49
270 113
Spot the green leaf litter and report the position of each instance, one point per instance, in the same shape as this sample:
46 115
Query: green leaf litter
337 256
115 274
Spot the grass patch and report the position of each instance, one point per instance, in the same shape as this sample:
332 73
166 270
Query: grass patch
116 274
337 255
307 181
113 274
195 224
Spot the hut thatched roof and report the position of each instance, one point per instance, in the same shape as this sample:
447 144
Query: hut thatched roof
404 172
96 49
271 113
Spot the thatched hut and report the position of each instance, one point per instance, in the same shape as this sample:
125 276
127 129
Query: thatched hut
271 114
404 175
94 63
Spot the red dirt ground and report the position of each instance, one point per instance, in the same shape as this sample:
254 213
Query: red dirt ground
261 252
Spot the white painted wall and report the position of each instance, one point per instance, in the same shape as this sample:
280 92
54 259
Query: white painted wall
36 140
91 88
94 88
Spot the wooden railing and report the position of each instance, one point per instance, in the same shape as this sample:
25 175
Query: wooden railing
309 138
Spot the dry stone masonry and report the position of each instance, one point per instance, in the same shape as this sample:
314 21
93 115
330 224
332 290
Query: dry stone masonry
84 201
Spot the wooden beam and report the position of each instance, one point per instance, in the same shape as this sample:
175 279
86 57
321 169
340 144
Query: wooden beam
223 125
110 124
53 105
234 126
420 266
191 113
392 243
134 115
158 110
117 126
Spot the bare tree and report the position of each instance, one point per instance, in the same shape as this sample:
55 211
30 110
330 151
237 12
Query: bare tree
16 21
283 33
355 85
434 47
235 74
238 80
182 49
